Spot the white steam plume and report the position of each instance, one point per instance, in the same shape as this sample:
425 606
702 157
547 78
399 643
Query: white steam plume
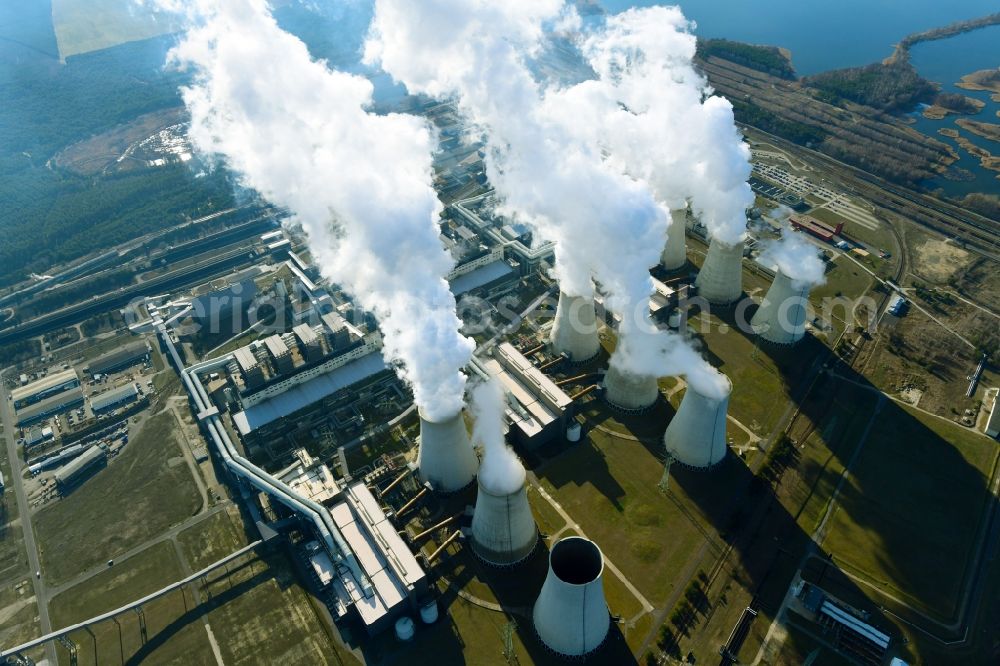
796 257
668 127
476 51
500 471
544 158
360 184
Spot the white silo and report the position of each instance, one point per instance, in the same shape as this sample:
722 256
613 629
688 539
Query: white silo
720 280
571 615
674 254
628 391
781 317
445 458
503 529
696 436
574 331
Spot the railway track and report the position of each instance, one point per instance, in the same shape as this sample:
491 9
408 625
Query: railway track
978 233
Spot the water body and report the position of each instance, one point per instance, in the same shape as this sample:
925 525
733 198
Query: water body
821 35
946 61
851 33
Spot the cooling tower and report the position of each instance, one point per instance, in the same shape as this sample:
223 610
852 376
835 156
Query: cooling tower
503 529
675 252
571 616
720 280
696 436
630 392
574 332
446 459
781 317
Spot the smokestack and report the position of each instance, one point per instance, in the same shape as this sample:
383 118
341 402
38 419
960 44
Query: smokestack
696 436
675 252
628 391
503 529
574 331
781 317
446 459
571 615
720 280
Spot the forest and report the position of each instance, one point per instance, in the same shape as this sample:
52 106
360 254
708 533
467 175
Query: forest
768 59
53 216
894 87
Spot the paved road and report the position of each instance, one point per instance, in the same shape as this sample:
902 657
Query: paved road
24 511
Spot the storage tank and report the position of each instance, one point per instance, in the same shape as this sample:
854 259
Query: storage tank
404 628
571 615
720 281
630 392
429 612
674 254
445 458
574 331
781 317
696 436
503 529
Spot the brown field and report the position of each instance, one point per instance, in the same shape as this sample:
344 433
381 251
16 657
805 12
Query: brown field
100 152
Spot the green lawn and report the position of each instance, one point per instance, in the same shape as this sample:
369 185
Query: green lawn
609 486
908 518
144 491
82 26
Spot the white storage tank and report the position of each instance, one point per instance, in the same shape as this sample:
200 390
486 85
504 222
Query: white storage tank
429 612
404 628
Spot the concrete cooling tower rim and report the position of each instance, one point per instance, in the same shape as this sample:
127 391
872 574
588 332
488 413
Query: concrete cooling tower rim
576 561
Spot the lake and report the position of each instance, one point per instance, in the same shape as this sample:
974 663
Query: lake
849 33
821 35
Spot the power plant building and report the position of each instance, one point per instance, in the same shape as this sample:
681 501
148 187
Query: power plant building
536 407
281 355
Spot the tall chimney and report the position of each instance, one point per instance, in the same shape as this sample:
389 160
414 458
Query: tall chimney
696 437
571 616
720 280
503 529
781 317
674 254
574 331
445 458
630 392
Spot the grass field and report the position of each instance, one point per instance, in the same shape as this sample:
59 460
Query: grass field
18 613
260 614
12 553
145 491
909 516
147 572
82 26
212 539
609 486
